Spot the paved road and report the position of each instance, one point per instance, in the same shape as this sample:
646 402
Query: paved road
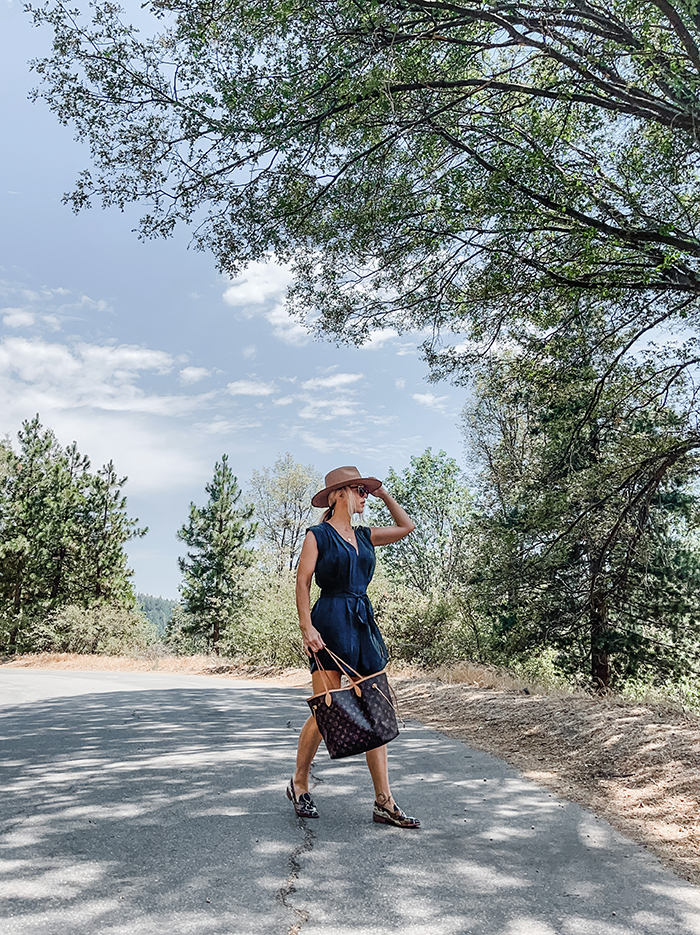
148 804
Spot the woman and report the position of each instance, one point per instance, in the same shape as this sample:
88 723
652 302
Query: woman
342 557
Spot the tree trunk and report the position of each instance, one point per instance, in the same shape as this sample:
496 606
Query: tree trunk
56 585
215 637
600 660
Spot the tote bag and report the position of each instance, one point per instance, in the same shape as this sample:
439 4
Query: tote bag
355 719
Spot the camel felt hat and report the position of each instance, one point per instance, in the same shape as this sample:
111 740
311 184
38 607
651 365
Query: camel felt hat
344 477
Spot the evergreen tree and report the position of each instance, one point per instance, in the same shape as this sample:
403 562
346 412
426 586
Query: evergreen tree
105 573
585 487
62 532
158 610
216 535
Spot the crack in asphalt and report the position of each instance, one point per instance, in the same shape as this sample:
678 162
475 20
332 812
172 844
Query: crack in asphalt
286 891
300 915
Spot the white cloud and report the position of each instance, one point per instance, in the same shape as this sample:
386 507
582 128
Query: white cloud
265 284
221 426
400 384
380 420
49 305
332 382
17 317
258 284
193 374
286 328
249 351
318 443
325 409
431 401
41 376
52 321
378 339
250 388
155 457
284 400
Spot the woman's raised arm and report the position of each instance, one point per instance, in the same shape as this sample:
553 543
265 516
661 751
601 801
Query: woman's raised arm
383 535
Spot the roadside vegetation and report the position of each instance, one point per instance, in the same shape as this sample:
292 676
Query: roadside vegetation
494 587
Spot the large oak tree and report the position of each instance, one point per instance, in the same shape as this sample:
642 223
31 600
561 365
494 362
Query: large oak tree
419 163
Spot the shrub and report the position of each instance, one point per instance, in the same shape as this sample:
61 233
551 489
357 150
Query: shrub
106 629
266 631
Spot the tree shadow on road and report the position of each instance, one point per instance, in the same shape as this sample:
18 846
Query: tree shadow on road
163 811
497 855
148 811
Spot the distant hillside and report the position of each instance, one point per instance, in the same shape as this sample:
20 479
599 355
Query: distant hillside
159 610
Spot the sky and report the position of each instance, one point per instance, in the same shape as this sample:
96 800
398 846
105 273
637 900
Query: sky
144 354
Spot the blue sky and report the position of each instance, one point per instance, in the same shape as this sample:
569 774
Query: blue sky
142 353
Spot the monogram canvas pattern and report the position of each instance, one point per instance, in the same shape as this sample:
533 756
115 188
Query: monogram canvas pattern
355 724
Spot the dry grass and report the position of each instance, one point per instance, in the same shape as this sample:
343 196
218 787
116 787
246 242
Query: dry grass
635 763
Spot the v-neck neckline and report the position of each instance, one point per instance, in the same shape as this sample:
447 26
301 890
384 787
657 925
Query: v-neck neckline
355 549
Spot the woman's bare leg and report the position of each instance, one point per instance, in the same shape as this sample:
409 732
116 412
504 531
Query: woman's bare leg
310 736
378 763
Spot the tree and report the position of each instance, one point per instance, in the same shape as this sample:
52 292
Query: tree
157 610
585 495
282 500
435 495
62 531
104 559
418 163
216 536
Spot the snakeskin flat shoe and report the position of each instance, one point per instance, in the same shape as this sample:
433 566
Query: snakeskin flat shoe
303 804
393 816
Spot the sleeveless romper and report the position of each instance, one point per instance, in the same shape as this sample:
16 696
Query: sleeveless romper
343 613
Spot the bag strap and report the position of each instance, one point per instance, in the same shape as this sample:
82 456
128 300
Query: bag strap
324 674
394 704
343 663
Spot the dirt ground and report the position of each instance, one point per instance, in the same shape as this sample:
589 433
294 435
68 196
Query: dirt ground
637 765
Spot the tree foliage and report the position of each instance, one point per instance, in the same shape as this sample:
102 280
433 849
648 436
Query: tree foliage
282 501
434 493
62 531
216 535
451 164
157 610
587 513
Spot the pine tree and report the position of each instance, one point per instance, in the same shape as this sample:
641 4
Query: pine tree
216 536
105 572
62 532
586 498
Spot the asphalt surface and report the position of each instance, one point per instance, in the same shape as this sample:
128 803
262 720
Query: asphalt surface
136 804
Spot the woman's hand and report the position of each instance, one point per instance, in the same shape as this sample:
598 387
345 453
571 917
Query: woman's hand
313 641
381 493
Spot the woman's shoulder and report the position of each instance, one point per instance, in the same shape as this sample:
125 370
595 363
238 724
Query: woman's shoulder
320 530
365 532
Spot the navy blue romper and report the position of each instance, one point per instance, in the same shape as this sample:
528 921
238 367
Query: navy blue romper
343 613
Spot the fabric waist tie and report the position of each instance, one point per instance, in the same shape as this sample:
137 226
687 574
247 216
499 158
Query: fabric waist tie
326 592
363 608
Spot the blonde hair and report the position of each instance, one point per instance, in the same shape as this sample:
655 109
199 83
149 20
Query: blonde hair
356 519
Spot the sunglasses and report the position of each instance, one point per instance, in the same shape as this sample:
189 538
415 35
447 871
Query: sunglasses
362 491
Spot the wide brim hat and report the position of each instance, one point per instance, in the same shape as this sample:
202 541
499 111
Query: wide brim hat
344 477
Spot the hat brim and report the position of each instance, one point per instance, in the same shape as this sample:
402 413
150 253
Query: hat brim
321 498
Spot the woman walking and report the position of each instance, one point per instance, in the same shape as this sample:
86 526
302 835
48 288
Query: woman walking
342 558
